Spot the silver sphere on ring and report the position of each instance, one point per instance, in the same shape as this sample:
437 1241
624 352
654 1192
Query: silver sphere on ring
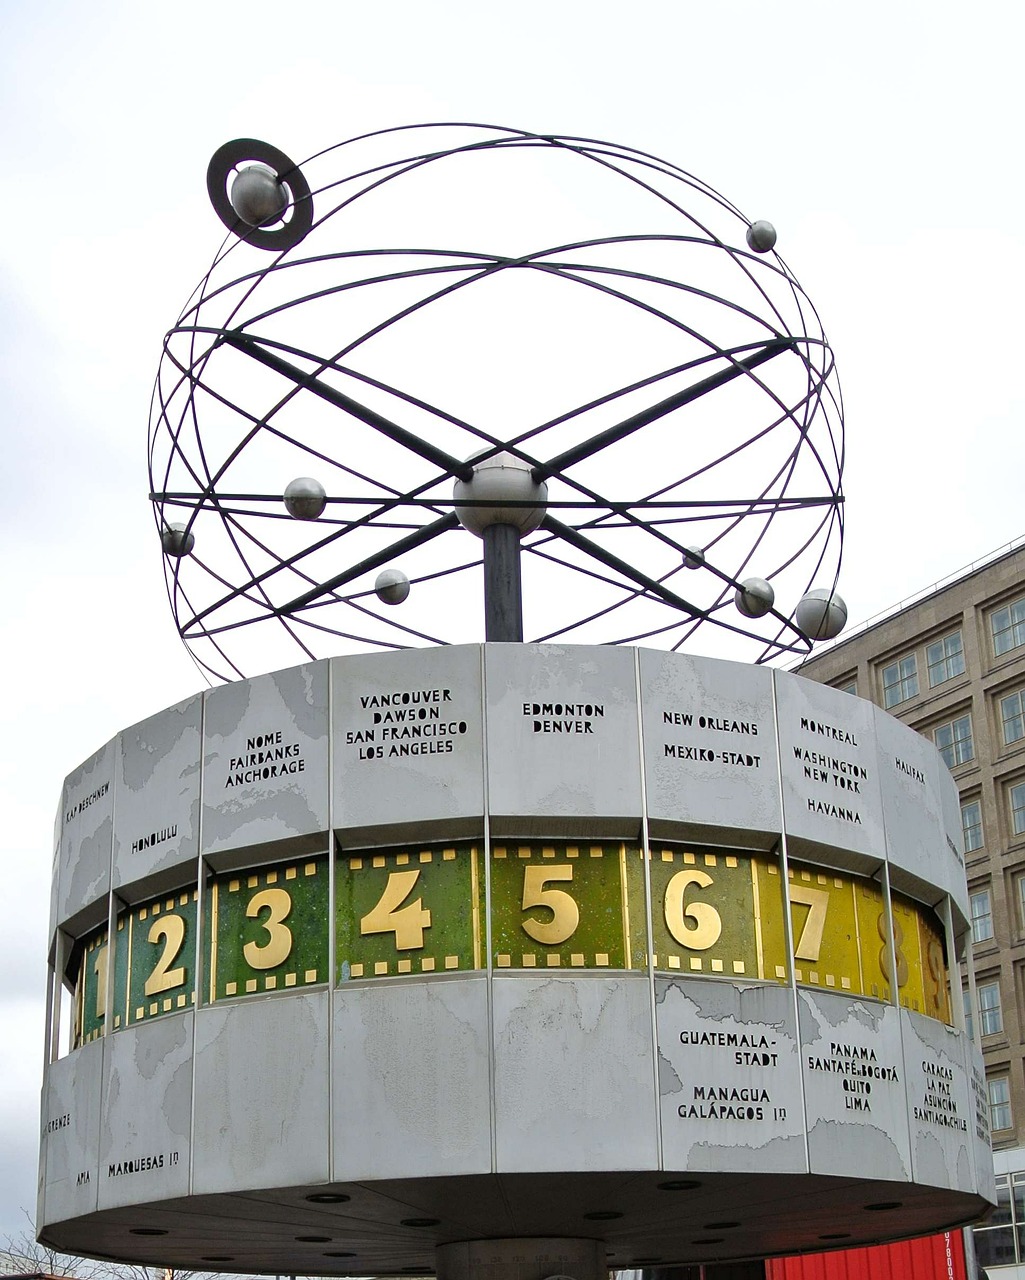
693 558
176 541
754 597
821 614
305 498
761 236
499 480
391 586
257 196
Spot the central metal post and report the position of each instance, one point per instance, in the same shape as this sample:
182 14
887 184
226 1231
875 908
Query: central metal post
503 595
522 1259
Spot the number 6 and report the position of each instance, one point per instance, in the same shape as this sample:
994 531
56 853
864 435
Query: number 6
707 926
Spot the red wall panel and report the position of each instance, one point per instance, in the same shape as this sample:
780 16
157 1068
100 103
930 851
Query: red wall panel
928 1258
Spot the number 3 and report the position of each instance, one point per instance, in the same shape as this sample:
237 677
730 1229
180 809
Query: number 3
275 951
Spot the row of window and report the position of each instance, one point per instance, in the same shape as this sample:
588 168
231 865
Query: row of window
945 659
991 1013
980 908
1001 1240
971 817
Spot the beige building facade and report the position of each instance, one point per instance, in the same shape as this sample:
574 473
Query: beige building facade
952 665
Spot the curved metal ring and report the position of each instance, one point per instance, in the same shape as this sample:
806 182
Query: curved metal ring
229 157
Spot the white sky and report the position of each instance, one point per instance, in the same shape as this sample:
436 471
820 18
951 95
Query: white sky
883 140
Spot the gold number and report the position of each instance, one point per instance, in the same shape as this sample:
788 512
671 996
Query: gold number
884 951
934 954
276 949
163 977
809 944
707 926
390 916
565 912
100 969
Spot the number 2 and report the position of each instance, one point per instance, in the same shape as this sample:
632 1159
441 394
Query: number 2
163 977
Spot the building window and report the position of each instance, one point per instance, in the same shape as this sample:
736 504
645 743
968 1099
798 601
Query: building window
982 915
1017 797
995 1242
900 681
1012 717
945 659
848 686
971 825
991 1017
1008 627
954 741
999 1089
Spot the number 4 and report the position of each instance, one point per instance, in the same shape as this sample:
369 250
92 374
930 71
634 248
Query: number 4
390 916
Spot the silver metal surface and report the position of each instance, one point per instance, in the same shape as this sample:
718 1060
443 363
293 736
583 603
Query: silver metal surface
305 498
821 614
624 1107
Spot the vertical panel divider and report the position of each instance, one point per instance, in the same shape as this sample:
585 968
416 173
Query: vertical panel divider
649 946
788 925
332 924
954 996
486 851
200 963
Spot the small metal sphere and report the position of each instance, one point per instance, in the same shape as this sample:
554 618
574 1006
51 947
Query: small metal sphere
761 236
497 480
821 614
257 196
305 498
176 542
392 586
754 597
693 558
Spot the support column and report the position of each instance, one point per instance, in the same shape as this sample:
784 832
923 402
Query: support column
523 1259
503 596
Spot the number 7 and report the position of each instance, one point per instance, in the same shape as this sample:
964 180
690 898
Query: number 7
809 944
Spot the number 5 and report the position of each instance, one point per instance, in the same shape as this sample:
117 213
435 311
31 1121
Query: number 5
565 912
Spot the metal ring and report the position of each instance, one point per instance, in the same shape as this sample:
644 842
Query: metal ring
233 154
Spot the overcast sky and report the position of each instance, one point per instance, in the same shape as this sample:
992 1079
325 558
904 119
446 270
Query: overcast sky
883 140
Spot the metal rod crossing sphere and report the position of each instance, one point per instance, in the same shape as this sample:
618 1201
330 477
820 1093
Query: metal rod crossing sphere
754 597
821 614
391 586
305 498
641 387
761 236
257 196
502 490
175 541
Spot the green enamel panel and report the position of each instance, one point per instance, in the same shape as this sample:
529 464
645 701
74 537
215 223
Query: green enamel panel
703 916
268 929
408 910
161 976
560 905
91 989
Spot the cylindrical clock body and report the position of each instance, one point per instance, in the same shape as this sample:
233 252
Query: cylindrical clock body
487 942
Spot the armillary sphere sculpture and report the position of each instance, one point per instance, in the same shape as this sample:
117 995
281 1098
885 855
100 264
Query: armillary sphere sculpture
574 350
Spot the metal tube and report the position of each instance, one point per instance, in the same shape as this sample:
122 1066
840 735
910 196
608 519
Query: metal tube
503 595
